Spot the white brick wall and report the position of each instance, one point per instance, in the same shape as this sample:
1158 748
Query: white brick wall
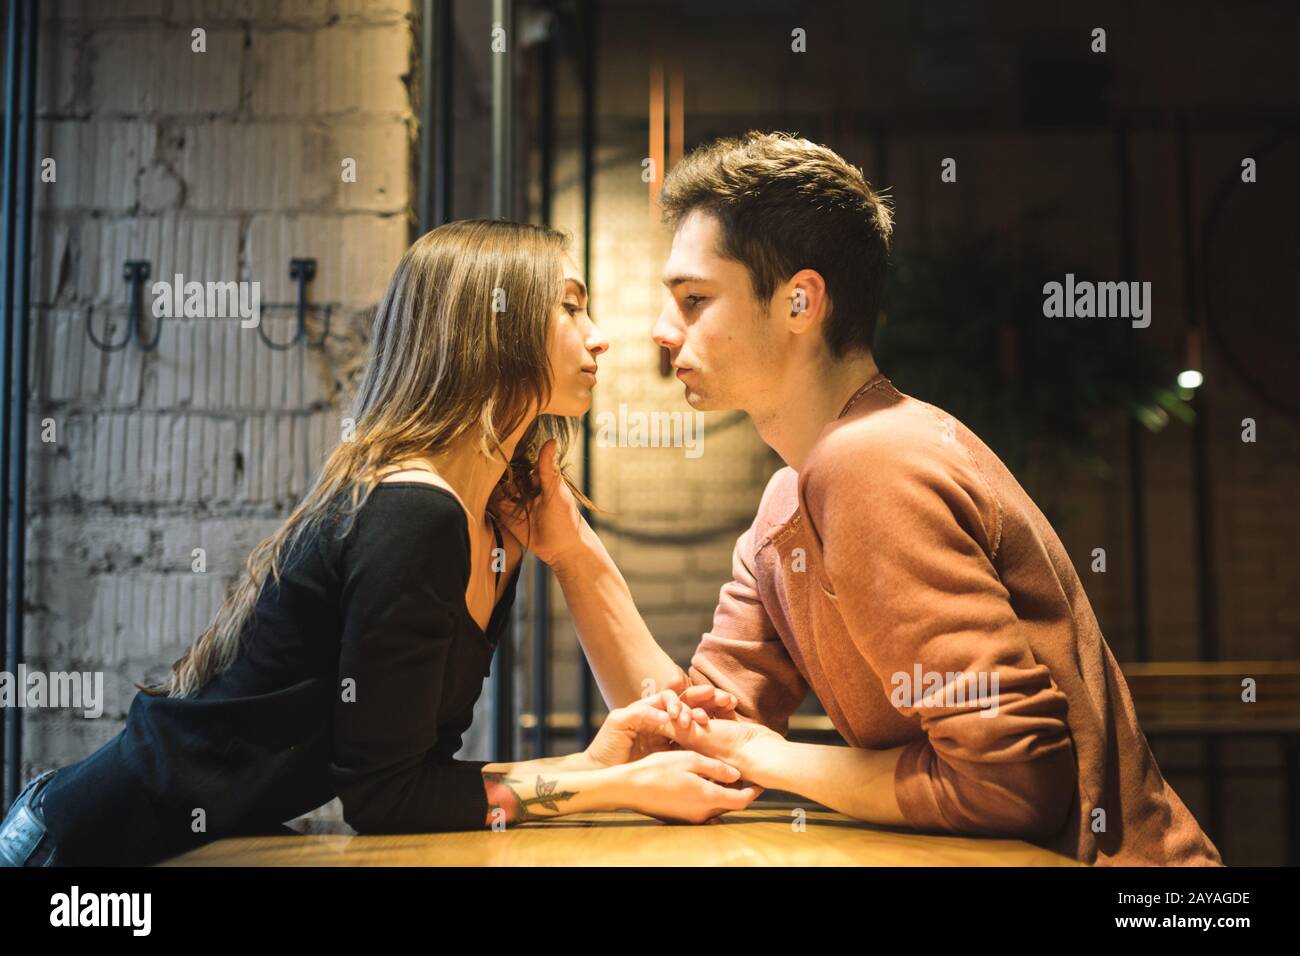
220 166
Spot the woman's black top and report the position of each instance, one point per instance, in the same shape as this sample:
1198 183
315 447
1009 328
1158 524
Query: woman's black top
356 677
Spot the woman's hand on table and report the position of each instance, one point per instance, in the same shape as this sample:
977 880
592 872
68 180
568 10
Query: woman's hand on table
681 786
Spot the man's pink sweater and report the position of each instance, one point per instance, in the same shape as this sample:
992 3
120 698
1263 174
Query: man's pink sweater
907 579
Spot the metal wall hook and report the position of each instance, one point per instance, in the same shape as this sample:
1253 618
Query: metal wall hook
301 271
135 272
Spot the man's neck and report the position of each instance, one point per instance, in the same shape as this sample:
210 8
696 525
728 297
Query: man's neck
807 403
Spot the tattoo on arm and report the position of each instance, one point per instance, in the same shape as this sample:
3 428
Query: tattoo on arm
519 809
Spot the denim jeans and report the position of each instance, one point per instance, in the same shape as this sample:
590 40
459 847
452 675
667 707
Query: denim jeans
24 840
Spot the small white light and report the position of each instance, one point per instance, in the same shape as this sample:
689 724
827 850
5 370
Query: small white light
1190 378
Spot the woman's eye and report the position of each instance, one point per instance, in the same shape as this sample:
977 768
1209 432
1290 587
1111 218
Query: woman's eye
694 300
573 308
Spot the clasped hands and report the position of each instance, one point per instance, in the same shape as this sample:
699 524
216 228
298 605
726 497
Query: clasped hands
694 730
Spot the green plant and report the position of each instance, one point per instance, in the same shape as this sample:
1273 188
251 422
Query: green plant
964 329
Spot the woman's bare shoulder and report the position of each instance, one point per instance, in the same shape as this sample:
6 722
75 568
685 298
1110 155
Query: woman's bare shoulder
420 475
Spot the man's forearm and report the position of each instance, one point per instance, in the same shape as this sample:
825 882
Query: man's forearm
858 783
622 651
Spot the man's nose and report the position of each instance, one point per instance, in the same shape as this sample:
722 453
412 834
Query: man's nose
667 332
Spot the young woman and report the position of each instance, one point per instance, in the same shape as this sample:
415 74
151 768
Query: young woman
348 658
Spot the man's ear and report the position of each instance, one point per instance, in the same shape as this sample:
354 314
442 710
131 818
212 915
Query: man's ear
805 293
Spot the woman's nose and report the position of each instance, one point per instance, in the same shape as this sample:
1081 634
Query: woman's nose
596 341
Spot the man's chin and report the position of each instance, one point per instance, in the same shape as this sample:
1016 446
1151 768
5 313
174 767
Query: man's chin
696 399
707 402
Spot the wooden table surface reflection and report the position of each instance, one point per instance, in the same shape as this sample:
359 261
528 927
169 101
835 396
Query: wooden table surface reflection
762 835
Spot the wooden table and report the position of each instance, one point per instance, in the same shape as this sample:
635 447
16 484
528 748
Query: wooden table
761 835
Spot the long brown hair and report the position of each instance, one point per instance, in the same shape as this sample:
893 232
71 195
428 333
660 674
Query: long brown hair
458 345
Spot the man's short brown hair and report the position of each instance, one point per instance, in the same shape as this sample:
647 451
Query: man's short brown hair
786 204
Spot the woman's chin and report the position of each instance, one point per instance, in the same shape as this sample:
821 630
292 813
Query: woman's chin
573 406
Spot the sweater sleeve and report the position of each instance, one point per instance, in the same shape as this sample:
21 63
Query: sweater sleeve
909 535
743 654
404 565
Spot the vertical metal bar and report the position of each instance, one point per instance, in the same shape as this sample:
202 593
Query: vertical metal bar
1137 493
503 689
541 658
13 28
502 107
424 176
1208 603
548 50
676 113
541 573
588 14
503 684
1138 523
1291 777
1206 579
444 165
18 365
656 145
435 114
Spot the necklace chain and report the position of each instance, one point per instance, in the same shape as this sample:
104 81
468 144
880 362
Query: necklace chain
866 386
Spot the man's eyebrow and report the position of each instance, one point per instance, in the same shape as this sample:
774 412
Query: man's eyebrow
675 281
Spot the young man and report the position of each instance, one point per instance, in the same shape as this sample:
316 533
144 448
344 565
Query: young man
895 566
